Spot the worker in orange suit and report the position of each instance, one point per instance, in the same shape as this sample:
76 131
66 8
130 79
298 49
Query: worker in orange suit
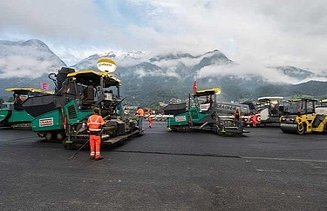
140 114
150 120
253 118
255 122
94 123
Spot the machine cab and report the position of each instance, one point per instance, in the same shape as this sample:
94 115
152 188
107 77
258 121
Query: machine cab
323 103
270 109
93 88
13 113
273 106
321 108
205 100
20 95
301 106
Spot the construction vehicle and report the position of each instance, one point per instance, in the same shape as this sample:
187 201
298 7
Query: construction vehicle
269 110
301 117
321 108
64 116
47 111
13 114
201 113
323 103
226 109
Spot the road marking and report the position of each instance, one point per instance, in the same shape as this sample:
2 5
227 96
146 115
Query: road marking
183 154
286 159
268 170
222 156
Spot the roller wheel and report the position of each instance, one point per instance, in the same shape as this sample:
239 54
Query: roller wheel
284 131
301 128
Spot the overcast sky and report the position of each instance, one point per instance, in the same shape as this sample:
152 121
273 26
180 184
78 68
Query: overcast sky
269 32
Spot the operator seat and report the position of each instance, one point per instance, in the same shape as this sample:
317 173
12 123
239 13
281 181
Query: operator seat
18 104
88 96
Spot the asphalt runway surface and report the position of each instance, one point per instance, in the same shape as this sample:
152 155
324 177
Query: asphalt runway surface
266 170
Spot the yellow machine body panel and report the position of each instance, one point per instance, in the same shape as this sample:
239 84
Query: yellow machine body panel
308 121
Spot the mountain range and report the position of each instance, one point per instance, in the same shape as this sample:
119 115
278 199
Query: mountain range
148 77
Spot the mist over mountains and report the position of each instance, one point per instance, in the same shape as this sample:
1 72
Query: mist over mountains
148 77
27 59
26 63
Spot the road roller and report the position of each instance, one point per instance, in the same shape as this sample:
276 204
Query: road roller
301 117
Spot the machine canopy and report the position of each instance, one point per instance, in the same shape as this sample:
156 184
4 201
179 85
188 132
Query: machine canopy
91 77
207 92
270 98
303 99
25 91
301 106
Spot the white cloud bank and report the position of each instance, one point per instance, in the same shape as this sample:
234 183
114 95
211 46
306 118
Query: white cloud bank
245 71
271 33
26 60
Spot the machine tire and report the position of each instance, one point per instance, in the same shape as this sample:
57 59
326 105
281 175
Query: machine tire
174 129
41 135
219 130
48 136
60 136
69 146
301 128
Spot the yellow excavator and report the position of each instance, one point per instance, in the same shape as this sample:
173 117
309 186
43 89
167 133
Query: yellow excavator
303 117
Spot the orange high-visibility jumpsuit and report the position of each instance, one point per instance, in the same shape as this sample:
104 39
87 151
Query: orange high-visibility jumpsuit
94 123
254 120
150 121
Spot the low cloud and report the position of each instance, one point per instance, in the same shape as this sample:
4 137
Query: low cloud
21 60
24 67
245 71
141 72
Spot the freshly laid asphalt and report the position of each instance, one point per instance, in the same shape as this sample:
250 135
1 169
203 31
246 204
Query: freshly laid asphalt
265 170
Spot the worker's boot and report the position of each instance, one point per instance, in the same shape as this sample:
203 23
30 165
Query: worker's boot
92 155
98 157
